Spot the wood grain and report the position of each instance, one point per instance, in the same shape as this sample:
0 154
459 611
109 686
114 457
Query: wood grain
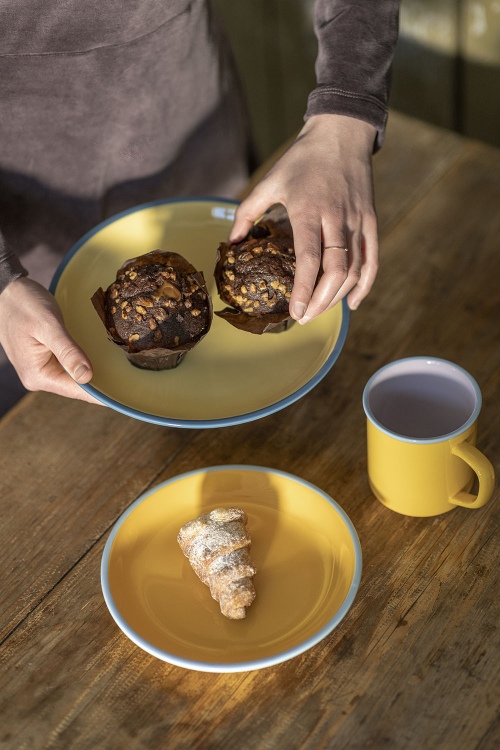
415 662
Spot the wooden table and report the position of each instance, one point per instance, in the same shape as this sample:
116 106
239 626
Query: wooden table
415 663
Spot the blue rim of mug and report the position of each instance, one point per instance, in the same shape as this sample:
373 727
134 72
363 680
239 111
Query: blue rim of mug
422 441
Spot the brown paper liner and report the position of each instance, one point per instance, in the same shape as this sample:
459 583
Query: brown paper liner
160 358
270 323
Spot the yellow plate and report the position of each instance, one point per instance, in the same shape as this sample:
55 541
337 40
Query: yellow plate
305 549
231 376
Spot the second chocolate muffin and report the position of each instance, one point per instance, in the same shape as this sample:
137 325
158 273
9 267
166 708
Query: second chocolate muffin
255 277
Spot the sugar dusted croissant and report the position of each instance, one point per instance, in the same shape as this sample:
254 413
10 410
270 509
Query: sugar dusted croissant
216 544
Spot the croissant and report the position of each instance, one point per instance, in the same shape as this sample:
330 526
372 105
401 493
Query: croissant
216 544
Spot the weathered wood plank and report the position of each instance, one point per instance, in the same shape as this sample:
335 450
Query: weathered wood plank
67 469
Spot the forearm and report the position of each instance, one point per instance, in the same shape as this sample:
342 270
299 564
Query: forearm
356 44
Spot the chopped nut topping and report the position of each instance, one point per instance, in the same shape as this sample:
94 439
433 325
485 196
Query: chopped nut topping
134 337
167 290
145 301
195 313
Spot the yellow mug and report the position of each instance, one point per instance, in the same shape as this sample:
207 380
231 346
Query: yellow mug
421 433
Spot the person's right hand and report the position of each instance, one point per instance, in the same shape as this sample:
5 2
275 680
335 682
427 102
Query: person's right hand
35 340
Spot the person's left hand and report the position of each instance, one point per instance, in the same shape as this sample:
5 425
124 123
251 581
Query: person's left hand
34 337
325 182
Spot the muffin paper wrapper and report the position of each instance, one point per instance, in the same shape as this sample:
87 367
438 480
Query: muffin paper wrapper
269 323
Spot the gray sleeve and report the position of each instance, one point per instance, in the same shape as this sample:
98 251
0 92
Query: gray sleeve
356 44
10 266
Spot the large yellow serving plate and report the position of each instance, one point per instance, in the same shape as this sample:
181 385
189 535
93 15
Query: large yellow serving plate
305 549
231 376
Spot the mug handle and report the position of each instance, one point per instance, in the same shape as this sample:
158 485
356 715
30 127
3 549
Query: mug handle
485 473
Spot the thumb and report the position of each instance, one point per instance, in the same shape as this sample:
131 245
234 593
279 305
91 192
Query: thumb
70 356
249 211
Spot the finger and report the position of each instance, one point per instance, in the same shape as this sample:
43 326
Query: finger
307 241
334 262
333 282
71 358
58 364
249 211
53 378
369 266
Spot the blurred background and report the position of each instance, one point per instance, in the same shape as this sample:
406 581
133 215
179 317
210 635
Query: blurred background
446 69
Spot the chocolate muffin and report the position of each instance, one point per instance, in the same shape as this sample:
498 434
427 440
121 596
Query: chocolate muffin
157 309
255 277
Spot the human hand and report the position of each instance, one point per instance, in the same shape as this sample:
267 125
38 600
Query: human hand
35 340
324 180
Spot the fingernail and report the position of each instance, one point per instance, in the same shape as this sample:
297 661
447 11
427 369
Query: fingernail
298 311
354 305
80 372
304 320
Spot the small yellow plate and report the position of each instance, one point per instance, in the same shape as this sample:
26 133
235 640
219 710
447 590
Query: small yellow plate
305 549
231 376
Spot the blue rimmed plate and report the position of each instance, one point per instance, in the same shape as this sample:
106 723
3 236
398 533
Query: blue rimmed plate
304 546
231 376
